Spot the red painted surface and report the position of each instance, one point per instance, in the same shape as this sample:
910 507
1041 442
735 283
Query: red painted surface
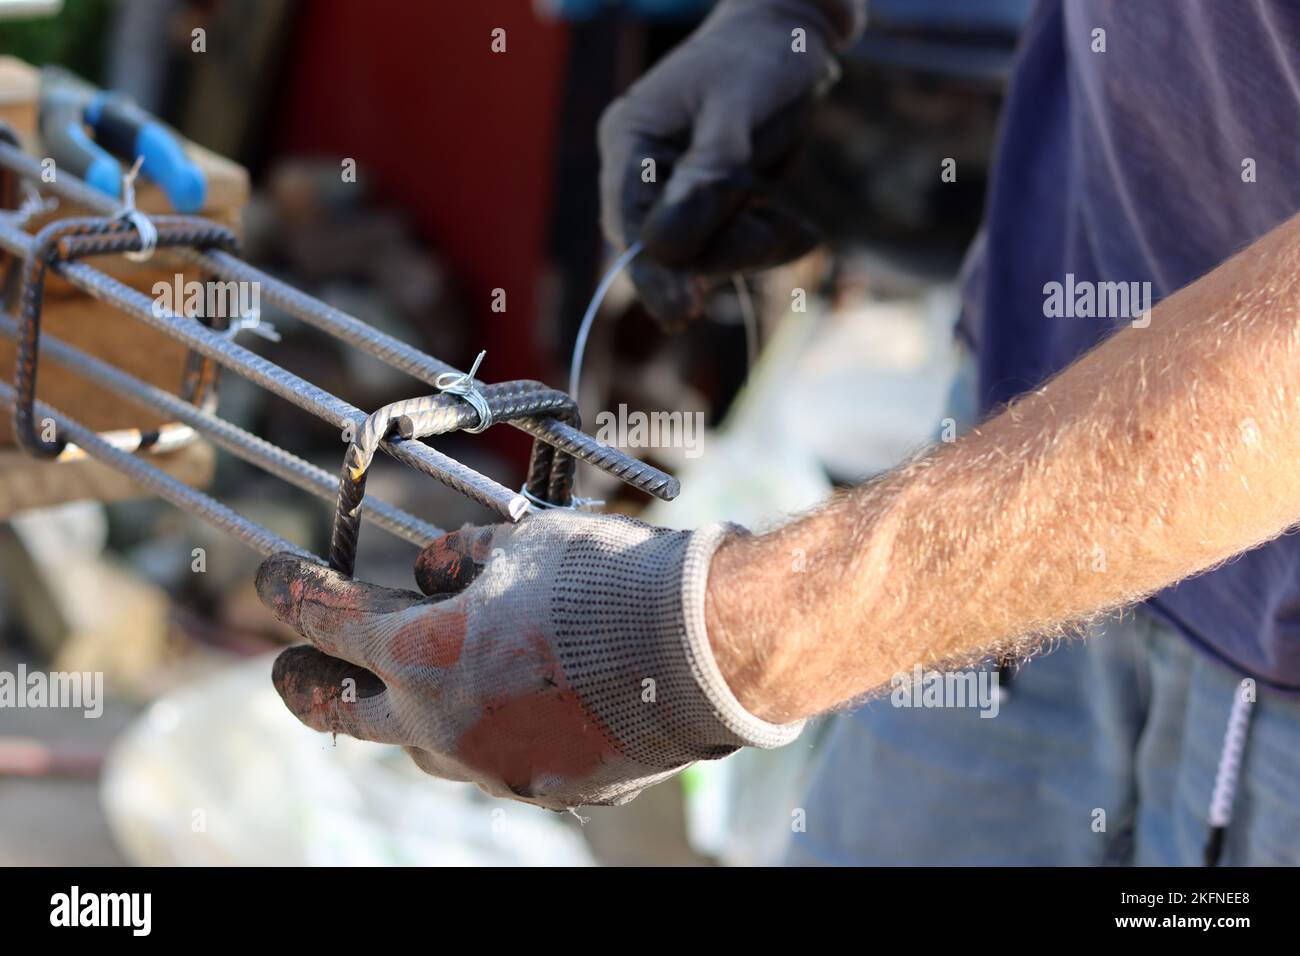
458 136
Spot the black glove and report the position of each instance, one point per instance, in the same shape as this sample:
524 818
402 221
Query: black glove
690 154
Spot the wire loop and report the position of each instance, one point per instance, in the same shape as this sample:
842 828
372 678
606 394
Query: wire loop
252 322
143 224
575 501
462 385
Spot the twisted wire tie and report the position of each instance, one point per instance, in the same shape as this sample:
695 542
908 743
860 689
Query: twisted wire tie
252 322
462 385
575 502
128 213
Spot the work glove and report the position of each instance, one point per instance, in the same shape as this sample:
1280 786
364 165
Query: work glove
562 661
689 155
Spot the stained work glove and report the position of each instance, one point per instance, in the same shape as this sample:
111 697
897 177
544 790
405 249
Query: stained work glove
562 661
720 116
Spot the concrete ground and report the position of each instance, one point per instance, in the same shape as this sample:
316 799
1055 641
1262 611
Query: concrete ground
57 821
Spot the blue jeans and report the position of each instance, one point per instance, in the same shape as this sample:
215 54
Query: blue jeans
1129 722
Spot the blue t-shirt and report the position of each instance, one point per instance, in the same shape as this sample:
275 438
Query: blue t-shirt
1142 142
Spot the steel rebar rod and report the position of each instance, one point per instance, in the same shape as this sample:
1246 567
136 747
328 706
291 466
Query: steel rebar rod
164 485
60 242
272 377
392 351
243 444
425 368
437 415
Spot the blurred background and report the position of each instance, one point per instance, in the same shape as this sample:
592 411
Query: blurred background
475 172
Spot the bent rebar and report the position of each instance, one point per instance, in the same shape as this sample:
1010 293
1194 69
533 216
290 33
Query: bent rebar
549 416
64 241
550 474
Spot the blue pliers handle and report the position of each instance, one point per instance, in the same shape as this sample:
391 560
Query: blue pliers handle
121 129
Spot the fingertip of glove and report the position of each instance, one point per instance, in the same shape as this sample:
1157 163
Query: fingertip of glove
675 232
672 298
289 670
294 679
308 679
272 582
282 580
453 561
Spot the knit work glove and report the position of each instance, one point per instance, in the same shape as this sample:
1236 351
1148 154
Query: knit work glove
562 661
690 155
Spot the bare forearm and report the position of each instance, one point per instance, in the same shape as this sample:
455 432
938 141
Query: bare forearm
1159 454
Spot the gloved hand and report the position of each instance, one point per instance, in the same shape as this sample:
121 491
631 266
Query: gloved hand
720 117
562 661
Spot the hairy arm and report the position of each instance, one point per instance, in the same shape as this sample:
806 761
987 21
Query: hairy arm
1162 452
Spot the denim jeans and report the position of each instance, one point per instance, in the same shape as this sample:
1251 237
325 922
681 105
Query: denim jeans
1104 751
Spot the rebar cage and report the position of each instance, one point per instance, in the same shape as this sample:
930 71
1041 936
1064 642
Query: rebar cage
457 401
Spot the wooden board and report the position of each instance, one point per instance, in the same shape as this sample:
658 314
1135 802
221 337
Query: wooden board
96 327
27 482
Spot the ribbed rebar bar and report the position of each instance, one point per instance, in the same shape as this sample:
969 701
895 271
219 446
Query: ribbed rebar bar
392 351
580 445
164 485
63 241
550 474
257 451
437 415
549 416
273 378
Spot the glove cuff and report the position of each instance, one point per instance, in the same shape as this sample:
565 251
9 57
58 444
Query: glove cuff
748 730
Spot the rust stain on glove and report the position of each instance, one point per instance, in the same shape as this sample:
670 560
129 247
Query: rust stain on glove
547 733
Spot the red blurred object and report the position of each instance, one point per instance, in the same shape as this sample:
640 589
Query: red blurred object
458 136
28 757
